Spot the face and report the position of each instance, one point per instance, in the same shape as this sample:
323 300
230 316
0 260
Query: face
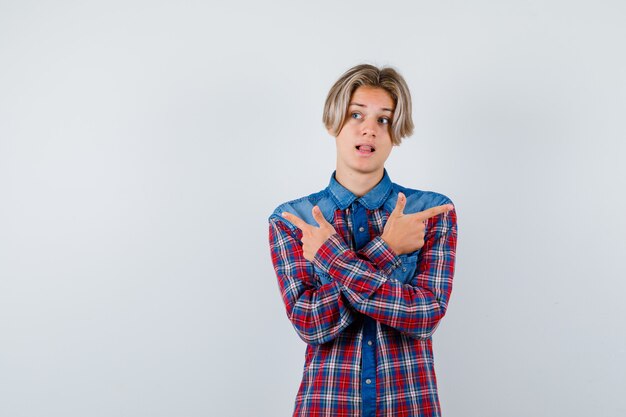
364 142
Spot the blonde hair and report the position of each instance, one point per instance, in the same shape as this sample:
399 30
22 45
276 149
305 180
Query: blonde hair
388 79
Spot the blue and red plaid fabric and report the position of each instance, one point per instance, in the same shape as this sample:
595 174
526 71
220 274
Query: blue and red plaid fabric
328 300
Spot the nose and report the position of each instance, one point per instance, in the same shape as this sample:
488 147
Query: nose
368 129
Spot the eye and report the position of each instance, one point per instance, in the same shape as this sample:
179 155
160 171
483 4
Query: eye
356 115
384 120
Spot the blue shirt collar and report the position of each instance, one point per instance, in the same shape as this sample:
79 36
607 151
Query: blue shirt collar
372 200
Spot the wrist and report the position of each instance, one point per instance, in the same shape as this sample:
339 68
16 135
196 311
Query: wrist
391 244
381 254
330 250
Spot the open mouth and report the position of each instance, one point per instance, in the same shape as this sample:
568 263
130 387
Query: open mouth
365 148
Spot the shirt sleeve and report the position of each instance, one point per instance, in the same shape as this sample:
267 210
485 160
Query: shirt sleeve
414 308
319 313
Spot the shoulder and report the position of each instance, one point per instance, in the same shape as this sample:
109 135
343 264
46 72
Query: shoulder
416 200
303 206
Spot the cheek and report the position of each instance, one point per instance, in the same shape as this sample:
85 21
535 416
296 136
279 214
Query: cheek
386 150
343 146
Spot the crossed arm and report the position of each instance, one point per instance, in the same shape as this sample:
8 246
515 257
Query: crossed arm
360 282
318 313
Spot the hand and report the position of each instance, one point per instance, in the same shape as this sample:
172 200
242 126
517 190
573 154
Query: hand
312 237
404 233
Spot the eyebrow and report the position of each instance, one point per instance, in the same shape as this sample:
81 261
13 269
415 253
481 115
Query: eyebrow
363 105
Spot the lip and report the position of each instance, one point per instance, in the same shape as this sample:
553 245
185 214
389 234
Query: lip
365 152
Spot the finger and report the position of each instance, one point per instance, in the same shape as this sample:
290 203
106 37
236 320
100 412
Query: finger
398 210
435 211
319 217
300 224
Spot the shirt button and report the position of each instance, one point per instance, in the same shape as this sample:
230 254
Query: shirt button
368 381
404 269
361 229
369 342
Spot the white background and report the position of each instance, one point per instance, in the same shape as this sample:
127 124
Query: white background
144 144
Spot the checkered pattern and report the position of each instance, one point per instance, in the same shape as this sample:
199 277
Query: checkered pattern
369 282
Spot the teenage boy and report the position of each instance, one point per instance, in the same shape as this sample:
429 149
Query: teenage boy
365 266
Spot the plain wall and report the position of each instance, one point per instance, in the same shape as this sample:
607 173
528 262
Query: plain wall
143 144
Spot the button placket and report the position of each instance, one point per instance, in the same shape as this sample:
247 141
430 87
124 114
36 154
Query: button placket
360 231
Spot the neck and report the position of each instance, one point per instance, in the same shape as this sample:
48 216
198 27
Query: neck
358 183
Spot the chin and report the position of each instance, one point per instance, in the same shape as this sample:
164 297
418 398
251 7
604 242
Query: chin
367 169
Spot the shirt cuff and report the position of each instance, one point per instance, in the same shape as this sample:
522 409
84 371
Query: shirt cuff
330 250
381 254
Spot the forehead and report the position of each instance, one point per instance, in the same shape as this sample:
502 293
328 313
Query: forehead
374 97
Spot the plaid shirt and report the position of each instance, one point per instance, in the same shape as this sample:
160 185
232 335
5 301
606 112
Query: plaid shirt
366 314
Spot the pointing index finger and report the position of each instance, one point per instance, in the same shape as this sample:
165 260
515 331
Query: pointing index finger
300 224
434 211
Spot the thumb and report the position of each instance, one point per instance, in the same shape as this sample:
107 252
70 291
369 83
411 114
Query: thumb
398 210
319 217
